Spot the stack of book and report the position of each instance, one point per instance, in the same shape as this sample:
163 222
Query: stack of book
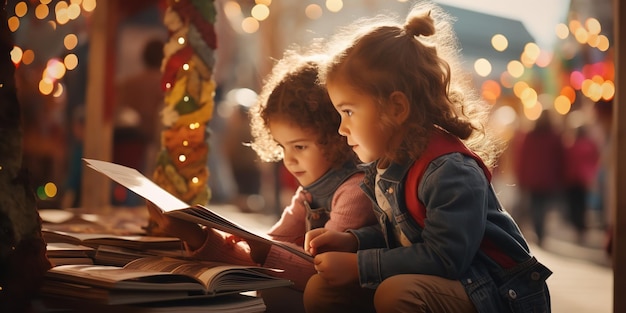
155 279
106 249
152 274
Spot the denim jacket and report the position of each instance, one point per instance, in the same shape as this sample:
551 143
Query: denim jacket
322 192
461 208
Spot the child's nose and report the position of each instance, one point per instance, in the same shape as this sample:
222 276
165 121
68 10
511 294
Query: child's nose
343 131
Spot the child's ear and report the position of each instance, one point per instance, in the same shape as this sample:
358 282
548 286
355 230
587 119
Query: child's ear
399 107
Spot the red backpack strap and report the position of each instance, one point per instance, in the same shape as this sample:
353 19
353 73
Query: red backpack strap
440 143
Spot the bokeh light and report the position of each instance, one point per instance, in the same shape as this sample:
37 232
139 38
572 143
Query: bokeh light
313 11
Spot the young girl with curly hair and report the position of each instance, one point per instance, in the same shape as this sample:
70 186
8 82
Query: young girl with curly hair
293 121
443 242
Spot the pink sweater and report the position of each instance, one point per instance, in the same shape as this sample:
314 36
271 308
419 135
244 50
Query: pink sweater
350 209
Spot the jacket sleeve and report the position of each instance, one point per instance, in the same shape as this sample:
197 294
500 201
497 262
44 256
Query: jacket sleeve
454 191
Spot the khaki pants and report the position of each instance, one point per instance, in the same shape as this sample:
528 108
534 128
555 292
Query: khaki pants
400 293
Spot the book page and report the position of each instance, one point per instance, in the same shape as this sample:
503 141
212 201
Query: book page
138 183
114 277
202 270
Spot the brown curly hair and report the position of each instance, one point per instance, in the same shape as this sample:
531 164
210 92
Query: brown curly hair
292 91
380 56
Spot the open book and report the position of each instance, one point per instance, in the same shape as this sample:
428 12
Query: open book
141 185
156 278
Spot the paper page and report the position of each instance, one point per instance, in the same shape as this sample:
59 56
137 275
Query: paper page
138 183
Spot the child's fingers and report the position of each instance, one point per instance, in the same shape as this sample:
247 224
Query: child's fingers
309 236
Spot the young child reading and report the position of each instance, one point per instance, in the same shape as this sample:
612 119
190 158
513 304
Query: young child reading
295 121
443 243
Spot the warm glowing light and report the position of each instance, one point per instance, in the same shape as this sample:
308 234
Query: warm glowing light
45 1
506 80
603 43
89 5
544 59
527 60
608 90
561 31
14 23
499 42
534 112
186 67
42 11
569 92
504 115
70 61
593 40
21 9
482 67
76 2
250 25
260 12
181 40
58 91
60 10
70 41
528 97
574 25
195 180
593 26
55 69
73 11
185 143
581 35
313 11
515 68
334 5
491 91
264 2
532 50
519 87
562 105
50 189
168 85
46 86
16 54
28 57
182 158
232 10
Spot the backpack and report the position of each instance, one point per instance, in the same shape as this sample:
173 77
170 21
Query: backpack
442 143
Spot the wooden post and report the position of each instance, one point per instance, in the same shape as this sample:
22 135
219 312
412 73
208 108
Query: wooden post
100 101
619 144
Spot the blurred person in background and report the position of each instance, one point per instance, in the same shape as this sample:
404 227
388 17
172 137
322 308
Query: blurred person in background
581 165
539 170
136 135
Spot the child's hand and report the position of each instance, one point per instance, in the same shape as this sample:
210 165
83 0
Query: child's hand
337 268
321 240
163 225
